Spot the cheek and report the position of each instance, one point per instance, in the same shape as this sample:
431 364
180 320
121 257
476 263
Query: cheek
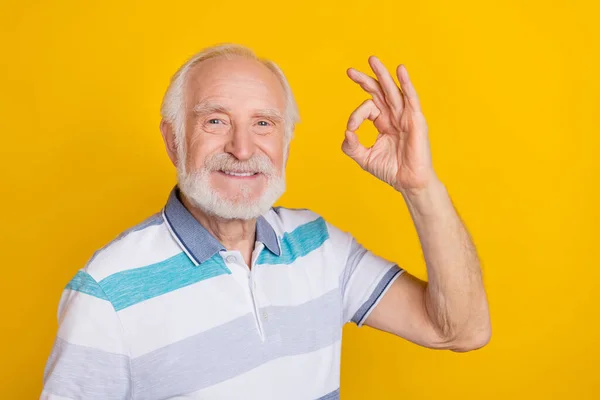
200 148
274 150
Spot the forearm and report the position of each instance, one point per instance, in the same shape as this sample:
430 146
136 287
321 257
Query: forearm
455 298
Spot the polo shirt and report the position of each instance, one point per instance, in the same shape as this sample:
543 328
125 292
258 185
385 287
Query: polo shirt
165 311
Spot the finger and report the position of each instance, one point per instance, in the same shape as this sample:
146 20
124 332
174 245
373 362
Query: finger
354 149
367 110
351 145
369 85
407 87
389 87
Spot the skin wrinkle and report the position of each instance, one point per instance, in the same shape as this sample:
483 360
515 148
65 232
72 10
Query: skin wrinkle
450 311
238 92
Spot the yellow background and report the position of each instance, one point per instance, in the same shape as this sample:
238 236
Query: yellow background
510 91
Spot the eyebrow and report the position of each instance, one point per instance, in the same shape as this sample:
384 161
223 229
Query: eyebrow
208 108
269 113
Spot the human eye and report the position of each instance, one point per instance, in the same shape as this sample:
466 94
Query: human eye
215 124
264 126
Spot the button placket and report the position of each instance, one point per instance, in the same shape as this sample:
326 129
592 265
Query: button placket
257 313
258 248
259 316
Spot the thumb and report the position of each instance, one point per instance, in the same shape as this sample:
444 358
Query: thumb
353 149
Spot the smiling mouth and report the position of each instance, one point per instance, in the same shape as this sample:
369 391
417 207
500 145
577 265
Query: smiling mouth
239 174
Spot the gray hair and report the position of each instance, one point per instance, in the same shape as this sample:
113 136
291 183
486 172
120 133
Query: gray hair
173 105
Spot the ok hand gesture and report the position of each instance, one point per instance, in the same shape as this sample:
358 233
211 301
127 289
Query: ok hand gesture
401 155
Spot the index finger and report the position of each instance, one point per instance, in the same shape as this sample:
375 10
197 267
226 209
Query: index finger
369 85
367 110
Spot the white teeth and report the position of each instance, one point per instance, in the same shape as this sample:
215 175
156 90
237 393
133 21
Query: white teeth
239 173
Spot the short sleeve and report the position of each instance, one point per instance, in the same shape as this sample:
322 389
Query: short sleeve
364 280
89 358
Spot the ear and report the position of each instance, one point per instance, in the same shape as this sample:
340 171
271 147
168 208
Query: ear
168 135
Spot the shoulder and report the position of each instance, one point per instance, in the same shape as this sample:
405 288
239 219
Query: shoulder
284 219
144 244
304 223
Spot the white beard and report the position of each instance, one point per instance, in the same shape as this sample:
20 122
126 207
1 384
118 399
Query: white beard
197 189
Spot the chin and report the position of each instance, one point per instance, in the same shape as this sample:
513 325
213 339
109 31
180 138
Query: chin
201 194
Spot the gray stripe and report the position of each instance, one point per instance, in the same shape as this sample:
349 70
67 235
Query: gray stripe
80 372
379 289
235 347
335 395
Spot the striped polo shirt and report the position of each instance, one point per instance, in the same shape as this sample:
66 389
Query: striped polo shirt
164 311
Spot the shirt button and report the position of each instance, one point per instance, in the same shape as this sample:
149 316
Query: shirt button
265 315
230 259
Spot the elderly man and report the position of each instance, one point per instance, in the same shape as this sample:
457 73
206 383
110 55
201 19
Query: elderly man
220 295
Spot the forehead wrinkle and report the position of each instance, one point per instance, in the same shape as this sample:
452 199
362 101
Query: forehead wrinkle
217 81
225 82
207 107
230 70
231 89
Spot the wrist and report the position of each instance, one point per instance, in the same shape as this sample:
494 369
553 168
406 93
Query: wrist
427 199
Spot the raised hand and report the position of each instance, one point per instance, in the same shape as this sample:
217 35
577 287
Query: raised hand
401 155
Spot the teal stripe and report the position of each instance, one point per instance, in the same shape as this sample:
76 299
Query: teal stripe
84 283
133 286
298 243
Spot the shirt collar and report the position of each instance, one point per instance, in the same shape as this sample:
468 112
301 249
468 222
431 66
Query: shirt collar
199 243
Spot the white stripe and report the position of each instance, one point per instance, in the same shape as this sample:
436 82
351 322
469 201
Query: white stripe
185 312
138 249
306 279
288 220
89 321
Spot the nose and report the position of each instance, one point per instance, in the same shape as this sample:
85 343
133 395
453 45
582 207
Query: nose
241 144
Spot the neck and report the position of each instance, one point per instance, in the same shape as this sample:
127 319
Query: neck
234 234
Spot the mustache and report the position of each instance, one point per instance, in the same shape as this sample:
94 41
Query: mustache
259 163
